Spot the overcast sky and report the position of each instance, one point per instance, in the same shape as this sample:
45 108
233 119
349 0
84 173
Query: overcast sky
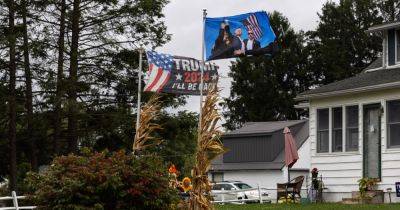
184 21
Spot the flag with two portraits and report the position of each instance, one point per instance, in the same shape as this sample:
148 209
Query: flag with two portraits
240 35
178 74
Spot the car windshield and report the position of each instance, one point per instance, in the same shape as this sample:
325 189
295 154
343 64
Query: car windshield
242 186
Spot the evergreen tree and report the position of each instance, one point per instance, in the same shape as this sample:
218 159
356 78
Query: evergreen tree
28 85
12 112
389 9
340 47
104 63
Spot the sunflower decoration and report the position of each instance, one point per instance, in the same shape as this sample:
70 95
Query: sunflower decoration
186 184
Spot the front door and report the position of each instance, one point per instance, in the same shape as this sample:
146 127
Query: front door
372 141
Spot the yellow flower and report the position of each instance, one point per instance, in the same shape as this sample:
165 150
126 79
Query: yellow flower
186 184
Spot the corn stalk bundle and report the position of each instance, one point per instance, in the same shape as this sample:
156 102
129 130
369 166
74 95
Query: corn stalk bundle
208 147
149 112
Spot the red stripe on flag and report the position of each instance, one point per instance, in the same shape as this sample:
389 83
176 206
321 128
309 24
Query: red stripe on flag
164 82
159 73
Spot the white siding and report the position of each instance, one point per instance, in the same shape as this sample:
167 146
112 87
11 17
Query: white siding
304 156
340 171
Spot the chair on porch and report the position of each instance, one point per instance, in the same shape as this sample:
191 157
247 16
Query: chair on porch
293 187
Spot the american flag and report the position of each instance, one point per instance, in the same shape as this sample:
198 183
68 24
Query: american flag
251 23
160 66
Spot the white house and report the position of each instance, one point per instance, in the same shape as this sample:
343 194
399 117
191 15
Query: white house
355 124
256 155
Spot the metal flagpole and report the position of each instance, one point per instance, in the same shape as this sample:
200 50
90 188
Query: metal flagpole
202 66
139 88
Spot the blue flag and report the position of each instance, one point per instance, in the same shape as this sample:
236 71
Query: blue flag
239 35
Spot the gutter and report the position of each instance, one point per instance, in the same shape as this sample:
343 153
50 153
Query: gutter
383 27
348 91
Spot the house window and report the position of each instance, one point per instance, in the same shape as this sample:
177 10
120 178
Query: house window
343 135
323 130
393 123
351 128
337 129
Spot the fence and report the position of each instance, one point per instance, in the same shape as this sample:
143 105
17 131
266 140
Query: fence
14 199
234 193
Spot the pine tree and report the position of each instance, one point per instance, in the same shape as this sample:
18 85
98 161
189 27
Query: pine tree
12 121
340 47
28 84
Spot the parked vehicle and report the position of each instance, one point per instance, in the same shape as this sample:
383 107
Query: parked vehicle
236 190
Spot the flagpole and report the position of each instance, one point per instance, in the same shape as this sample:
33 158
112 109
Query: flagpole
202 66
139 95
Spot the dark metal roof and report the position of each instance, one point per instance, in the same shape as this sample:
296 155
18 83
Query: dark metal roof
262 127
365 81
300 135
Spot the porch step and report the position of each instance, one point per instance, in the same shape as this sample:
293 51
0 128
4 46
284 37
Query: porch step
350 201
372 197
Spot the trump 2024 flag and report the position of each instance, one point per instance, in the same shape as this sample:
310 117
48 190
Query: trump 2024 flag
239 35
178 75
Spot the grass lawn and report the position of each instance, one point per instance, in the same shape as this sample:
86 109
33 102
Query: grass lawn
308 207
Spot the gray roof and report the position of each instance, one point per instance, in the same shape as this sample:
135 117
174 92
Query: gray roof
365 81
300 131
262 127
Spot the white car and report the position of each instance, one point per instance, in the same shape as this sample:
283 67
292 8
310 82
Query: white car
236 190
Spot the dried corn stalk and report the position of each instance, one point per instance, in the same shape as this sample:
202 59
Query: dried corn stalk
208 147
149 112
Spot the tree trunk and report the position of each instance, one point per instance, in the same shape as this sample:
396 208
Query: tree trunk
60 76
73 78
28 94
11 100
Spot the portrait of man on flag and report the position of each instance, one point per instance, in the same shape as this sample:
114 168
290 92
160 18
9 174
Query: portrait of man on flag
240 35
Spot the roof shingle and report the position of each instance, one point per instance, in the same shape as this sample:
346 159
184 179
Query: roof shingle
362 80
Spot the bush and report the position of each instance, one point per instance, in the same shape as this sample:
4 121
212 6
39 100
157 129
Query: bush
103 181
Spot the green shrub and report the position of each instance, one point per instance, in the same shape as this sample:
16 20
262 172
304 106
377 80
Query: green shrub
103 181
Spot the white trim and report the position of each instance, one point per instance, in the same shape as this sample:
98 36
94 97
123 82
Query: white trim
395 66
305 105
336 154
383 27
344 128
383 131
330 130
375 69
361 129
